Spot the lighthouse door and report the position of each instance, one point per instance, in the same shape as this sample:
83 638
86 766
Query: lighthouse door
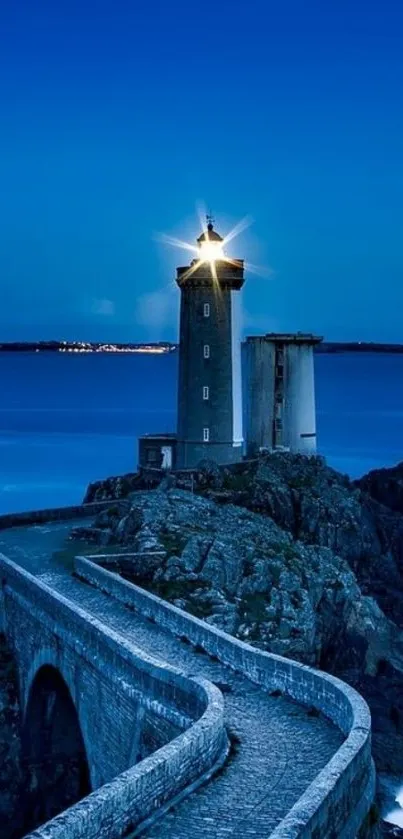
166 452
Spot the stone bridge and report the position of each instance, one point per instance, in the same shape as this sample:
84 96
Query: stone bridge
132 707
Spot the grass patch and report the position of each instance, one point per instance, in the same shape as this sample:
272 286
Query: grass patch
237 483
302 481
171 590
284 550
173 543
183 590
252 608
114 511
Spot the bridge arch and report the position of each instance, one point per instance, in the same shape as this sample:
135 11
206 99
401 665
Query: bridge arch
53 754
53 657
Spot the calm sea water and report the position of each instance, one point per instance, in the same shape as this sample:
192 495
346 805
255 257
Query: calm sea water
67 419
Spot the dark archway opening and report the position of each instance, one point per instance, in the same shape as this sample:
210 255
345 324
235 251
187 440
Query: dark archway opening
54 762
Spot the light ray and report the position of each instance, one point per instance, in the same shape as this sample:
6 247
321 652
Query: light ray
192 268
242 225
208 251
233 262
263 271
176 243
214 272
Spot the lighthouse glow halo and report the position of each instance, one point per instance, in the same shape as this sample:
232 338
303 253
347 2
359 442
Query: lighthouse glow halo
209 250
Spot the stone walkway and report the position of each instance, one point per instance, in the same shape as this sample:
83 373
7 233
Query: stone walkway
278 746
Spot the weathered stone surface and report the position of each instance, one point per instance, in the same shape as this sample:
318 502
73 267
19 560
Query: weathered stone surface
385 485
110 681
216 561
244 573
112 488
291 555
273 761
315 690
390 831
10 744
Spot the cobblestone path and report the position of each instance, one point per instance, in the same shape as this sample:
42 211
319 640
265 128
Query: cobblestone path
279 746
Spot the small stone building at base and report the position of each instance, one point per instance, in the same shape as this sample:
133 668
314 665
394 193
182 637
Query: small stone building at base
157 451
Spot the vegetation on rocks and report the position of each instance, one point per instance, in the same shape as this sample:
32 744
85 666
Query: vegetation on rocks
288 554
112 488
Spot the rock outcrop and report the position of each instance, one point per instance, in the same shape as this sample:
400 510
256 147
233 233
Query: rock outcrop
113 488
286 553
390 831
244 573
385 485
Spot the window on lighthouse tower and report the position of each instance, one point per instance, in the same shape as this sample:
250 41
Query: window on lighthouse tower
205 392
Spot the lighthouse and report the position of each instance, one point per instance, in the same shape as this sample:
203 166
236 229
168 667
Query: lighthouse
209 380
278 374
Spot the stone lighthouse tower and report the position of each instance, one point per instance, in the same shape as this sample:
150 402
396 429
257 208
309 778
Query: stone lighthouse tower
209 386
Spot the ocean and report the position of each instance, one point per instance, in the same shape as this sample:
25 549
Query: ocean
68 419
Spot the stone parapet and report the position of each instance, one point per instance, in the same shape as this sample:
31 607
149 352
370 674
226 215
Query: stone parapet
337 802
118 806
76 511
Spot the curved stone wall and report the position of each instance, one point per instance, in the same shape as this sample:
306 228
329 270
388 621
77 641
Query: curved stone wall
119 806
338 800
334 805
125 801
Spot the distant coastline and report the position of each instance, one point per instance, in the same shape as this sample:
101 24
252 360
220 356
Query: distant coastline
357 346
162 347
86 347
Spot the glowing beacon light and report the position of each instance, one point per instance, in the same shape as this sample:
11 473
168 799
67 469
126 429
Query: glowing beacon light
210 244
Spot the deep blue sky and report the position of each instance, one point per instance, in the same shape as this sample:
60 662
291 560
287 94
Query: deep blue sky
117 118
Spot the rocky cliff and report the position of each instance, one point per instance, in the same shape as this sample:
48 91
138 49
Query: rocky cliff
10 746
385 485
286 553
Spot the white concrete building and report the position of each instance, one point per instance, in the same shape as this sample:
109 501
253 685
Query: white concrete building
279 393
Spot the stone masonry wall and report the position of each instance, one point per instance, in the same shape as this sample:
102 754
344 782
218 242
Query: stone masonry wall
339 799
10 743
8 520
335 804
110 680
